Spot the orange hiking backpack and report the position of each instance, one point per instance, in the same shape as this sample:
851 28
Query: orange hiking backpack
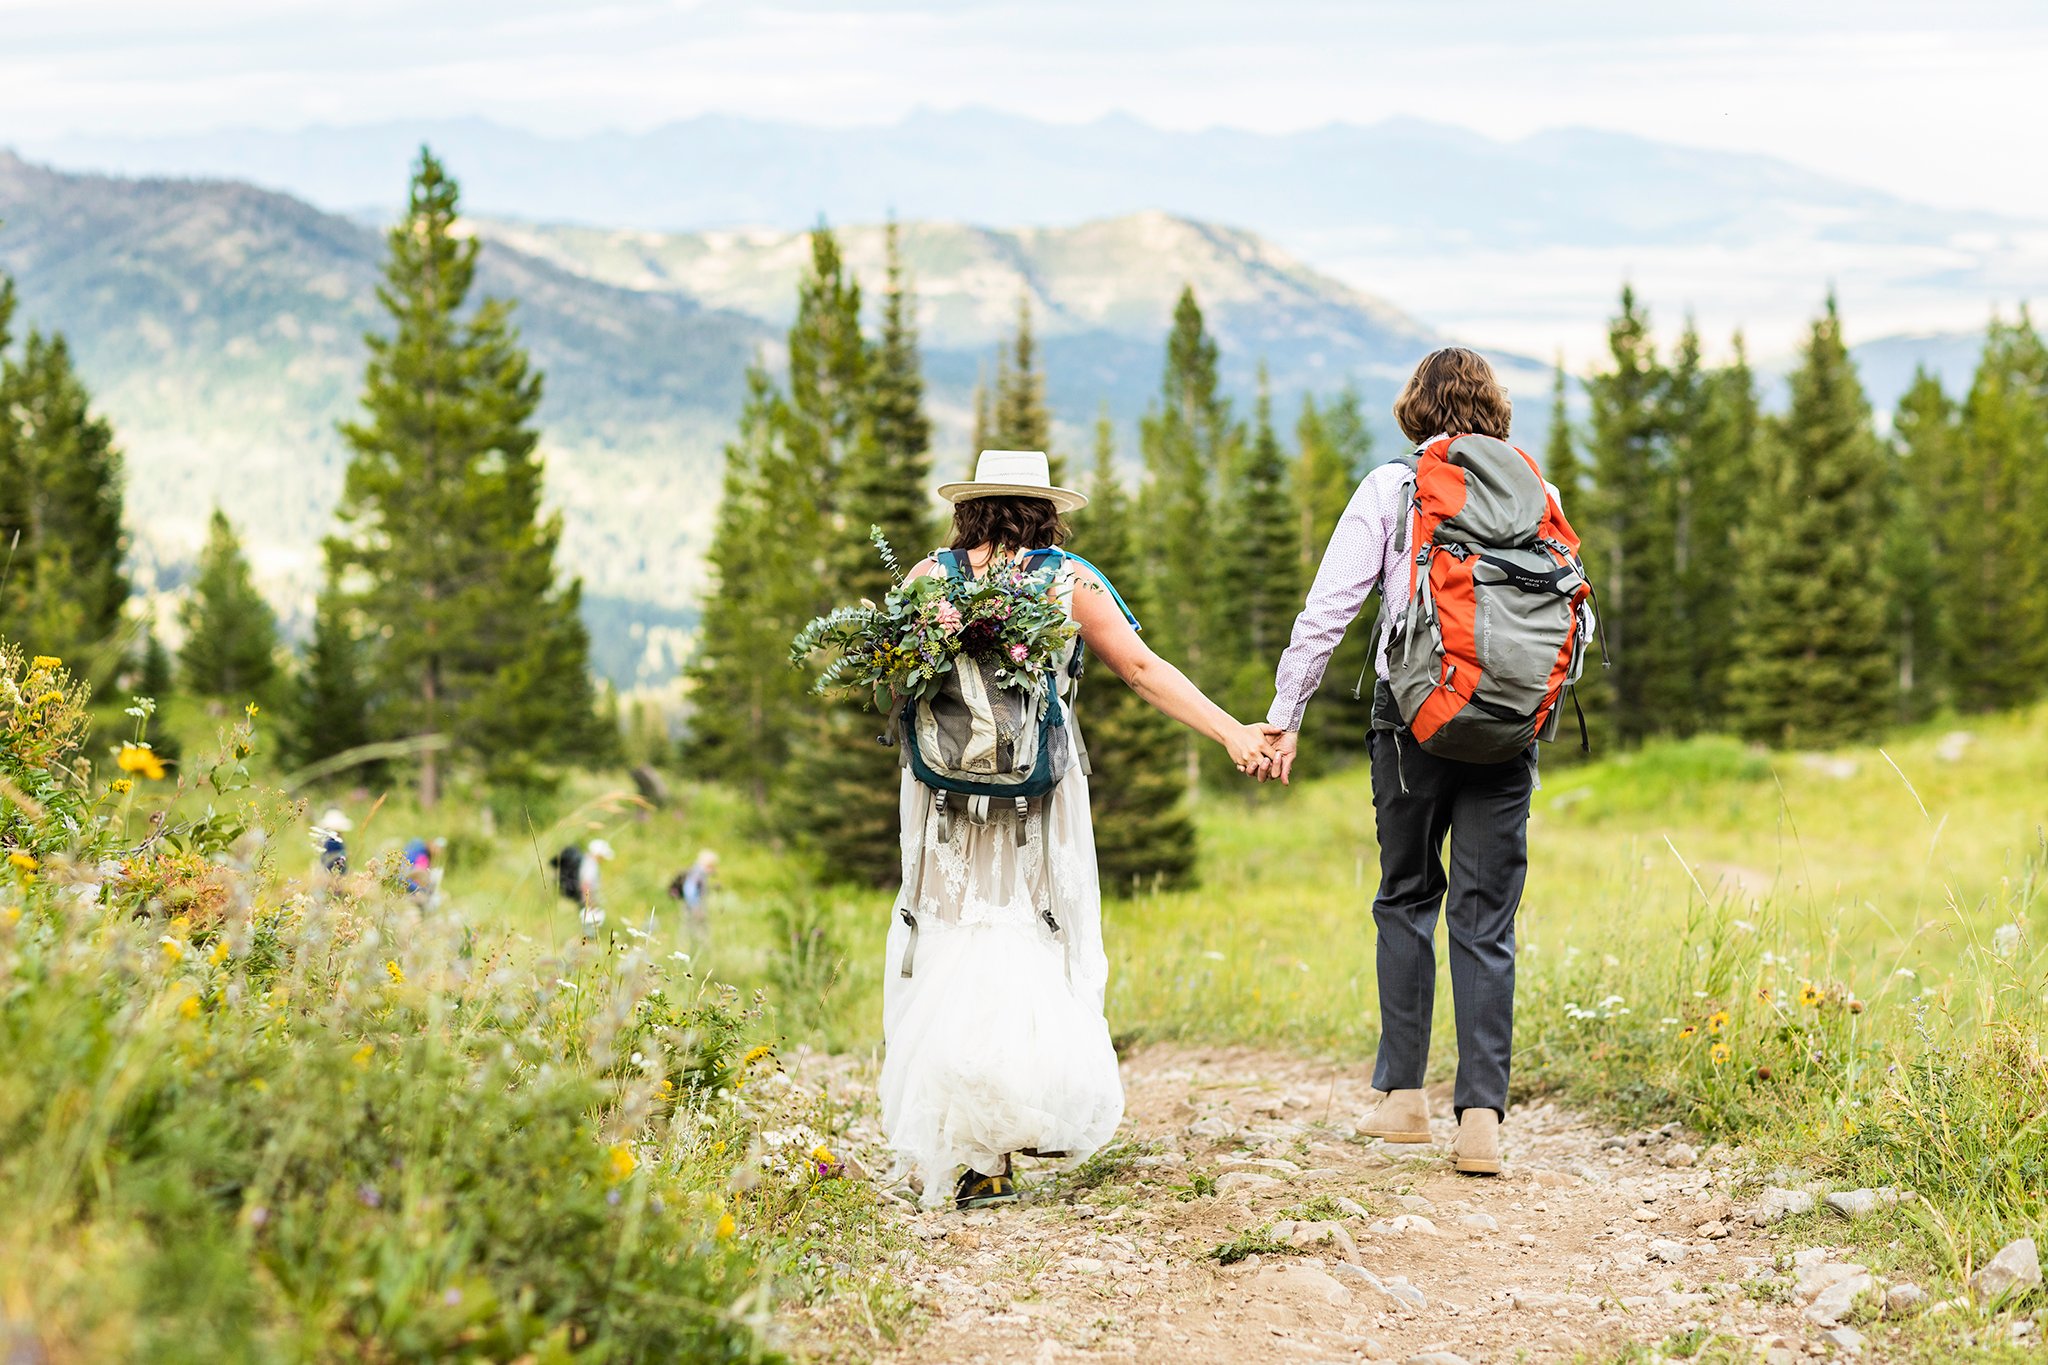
1494 633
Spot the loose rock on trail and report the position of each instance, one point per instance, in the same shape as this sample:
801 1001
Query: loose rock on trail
1344 1248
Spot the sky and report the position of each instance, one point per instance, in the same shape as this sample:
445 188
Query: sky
1940 103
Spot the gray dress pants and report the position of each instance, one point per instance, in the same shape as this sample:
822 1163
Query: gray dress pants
1418 799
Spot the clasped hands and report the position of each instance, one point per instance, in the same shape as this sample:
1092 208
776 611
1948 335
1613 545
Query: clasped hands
1263 750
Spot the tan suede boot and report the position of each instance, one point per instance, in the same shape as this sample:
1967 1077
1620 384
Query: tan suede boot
1400 1116
1476 1148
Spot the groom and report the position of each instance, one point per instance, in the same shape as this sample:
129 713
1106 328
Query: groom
1418 798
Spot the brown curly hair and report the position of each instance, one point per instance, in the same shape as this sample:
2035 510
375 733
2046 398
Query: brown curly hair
1007 524
1453 391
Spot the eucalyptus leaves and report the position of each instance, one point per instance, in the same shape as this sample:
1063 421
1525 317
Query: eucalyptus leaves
1009 617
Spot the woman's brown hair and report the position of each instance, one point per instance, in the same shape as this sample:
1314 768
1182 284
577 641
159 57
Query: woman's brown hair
1453 391
1007 524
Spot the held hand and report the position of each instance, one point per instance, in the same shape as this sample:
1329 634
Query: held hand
1282 763
1250 748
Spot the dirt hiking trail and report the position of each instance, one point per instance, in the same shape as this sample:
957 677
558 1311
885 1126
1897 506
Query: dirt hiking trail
1589 1241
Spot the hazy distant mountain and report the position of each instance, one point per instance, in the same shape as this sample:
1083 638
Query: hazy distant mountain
220 327
1523 243
1102 297
1403 176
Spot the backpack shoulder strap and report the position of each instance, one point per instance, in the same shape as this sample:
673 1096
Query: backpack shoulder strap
949 561
1407 500
1114 595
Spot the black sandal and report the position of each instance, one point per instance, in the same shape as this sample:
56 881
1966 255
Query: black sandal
978 1191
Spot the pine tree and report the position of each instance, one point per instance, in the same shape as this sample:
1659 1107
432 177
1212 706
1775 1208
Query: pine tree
1019 419
1261 561
442 543
66 584
230 631
743 694
1628 532
1719 467
1697 633
837 793
1924 470
1561 463
153 671
331 705
892 488
983 437
1335 450
1996 604
14 486
1188 442
1138 787
1815 664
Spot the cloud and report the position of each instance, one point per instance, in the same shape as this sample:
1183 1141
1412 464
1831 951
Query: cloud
1930 101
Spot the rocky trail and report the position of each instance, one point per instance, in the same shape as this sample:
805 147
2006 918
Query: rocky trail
1345 1249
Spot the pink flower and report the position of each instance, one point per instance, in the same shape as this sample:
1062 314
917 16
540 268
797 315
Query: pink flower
1017 653
949 618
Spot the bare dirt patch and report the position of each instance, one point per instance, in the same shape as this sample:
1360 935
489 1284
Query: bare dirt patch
1344 1248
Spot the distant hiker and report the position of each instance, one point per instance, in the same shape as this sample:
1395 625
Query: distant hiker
328 842
423 871
1485 617
578 875
692 884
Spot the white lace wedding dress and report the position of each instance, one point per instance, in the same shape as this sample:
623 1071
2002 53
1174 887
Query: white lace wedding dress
997 1043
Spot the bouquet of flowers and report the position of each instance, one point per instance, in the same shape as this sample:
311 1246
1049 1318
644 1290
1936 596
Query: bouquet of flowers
1008 620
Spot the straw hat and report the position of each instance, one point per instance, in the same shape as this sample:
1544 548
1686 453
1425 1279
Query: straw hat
336 821
600 849
1014 474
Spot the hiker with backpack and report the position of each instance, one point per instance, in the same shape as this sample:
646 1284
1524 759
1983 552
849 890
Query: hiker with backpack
578 877
1486 613
992 1004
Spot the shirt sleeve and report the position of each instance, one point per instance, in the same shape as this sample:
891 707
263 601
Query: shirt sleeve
1349 572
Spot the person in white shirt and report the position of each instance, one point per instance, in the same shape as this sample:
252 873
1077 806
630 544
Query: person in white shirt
1420 800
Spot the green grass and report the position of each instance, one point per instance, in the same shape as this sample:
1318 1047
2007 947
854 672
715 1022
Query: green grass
1842 912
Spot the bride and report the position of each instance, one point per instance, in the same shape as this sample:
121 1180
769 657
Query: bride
996 1045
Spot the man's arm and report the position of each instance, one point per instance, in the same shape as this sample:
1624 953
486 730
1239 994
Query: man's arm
1349 572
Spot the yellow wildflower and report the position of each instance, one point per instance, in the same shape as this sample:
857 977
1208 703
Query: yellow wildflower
1722 1052
1687 1032
258 1084
140 758
43 661
756 1054
179 923
1717 1021
22 862
188 1008
174 951
251 709
47 698
361 1056
10 916
718 1148
823 1155
726 1227
620 1161
219 953
394 971
121 786
667 1088
1808 996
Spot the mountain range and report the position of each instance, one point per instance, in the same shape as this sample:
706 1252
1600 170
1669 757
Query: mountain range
1521 242
220 326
